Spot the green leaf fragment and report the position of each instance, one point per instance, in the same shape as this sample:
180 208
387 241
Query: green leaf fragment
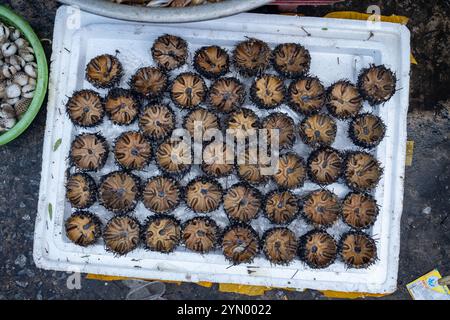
57 144
50 211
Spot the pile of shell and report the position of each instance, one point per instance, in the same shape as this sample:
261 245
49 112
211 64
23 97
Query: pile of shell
165 3
18 74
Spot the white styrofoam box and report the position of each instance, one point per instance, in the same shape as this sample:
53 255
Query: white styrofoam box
339 49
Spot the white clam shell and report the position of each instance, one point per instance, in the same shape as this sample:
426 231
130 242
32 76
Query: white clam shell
21 43
13 91
7 117
28 91
12 101
2 90
8 71
26 55
14 34
32 81
21 78
4 33
9 49
30 69
17 61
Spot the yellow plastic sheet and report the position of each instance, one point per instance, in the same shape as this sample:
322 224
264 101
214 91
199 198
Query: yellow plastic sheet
350 295
409 153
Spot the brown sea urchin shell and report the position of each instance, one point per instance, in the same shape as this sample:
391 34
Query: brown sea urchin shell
211 62
307 95
119 191
279 245
174 157
85 108
242 203
285 126
104 71
291 172
281 207
203 195
317 249
188 90
325 166
218 160
157 121
200 121
268 91
161 194
357 250
321 208
242 123
367 130
132 150
83 228
318 130
161 233
200 234
81 190
240 243
377 84
149 82
226 94
252 169
251 57
121 106
122 234
169 52
359 210
362 171
291 60
344 100
89 152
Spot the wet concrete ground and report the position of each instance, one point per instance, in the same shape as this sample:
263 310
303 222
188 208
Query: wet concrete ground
425 239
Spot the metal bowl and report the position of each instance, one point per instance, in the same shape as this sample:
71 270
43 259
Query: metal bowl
166 15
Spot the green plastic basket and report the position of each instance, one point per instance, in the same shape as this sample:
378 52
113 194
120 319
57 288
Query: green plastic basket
12 19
